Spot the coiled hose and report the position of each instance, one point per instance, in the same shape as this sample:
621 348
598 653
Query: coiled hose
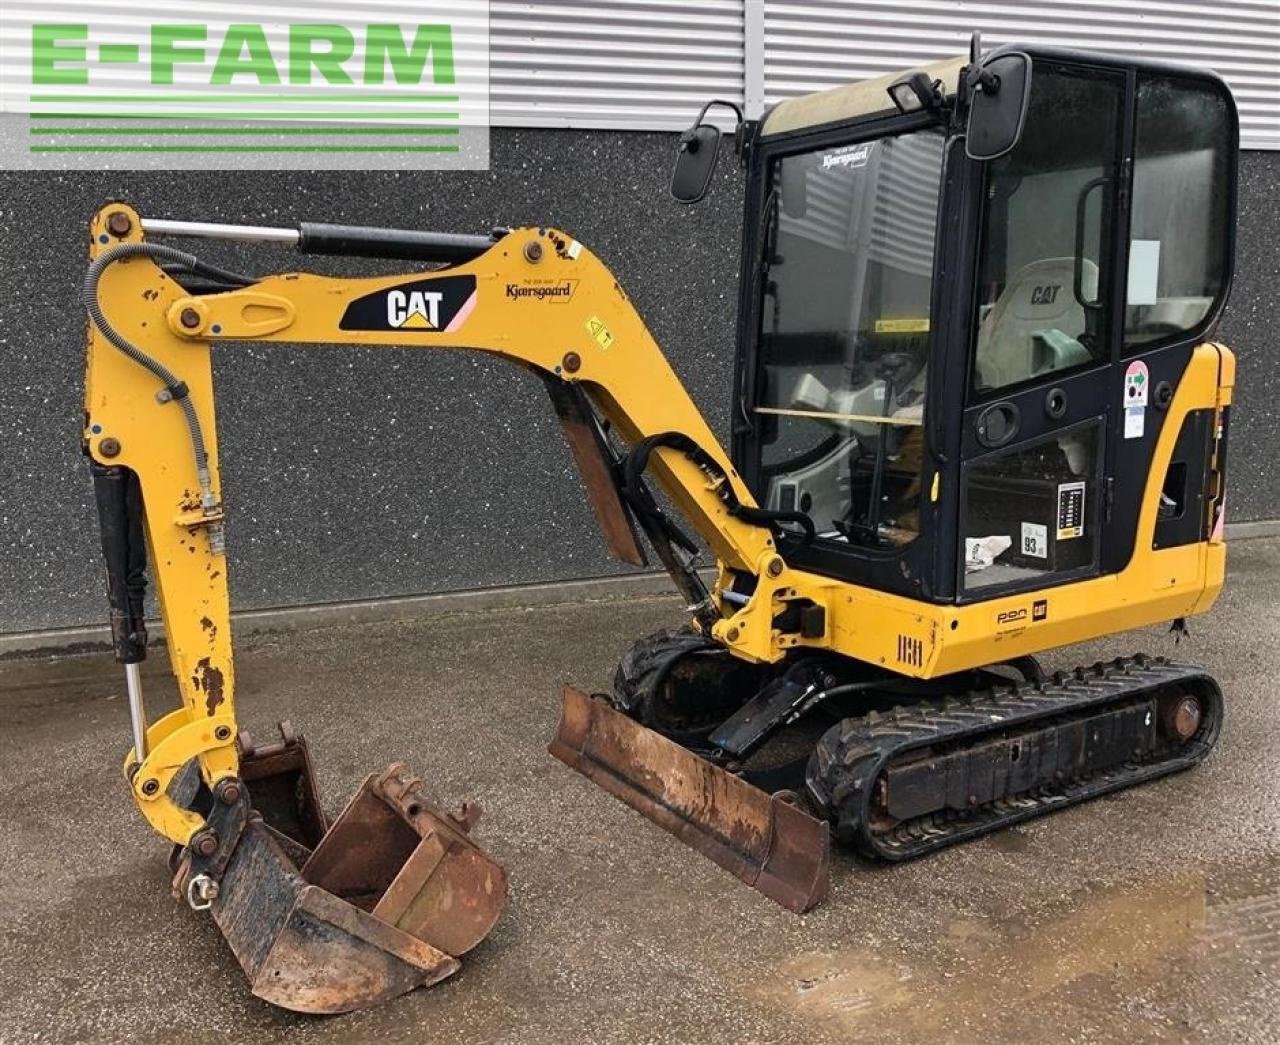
175 389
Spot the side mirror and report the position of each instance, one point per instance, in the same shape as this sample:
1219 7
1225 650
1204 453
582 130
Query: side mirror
695 162
696 156
1000 88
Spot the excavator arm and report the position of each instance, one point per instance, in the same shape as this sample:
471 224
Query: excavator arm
534 296
384 878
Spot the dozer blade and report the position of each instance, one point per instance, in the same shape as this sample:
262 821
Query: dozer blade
765 840
328 921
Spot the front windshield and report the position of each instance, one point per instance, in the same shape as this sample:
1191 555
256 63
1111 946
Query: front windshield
845 334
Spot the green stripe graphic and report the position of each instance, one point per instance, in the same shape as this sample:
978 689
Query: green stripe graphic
244 148
328 96
354 116
54 131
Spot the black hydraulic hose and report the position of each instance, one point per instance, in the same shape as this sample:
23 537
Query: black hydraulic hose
638 460
174 387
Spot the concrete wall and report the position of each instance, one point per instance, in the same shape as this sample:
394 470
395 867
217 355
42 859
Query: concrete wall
355 474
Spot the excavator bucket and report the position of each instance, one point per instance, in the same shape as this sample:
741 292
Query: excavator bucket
766 840
334 918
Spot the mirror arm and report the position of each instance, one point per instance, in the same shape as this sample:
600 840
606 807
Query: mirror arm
688 142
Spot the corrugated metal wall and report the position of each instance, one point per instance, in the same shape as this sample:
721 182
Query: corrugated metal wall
649 64
641 64
812 44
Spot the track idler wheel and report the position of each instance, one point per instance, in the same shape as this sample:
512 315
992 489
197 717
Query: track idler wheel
330 919
683 685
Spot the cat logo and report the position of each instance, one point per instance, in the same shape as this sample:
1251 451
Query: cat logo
1045 295
416 310
1040 609
436 304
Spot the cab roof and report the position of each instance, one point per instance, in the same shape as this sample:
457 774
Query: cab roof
854 100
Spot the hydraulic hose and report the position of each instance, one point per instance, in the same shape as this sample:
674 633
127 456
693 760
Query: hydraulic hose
638 460
175 389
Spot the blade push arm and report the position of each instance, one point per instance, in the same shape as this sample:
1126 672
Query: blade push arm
535 296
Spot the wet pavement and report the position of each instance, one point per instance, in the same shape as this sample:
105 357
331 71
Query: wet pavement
1153 915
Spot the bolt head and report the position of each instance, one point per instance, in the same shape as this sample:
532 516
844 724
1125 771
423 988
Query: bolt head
732 634
776 566
228 792
119 223
109 447
189 318
533 251
150 787
222 733
572 362
205 843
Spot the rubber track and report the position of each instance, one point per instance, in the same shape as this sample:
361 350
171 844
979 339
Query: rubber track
850 758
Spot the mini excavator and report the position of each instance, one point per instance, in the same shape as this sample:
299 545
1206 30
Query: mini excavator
977 414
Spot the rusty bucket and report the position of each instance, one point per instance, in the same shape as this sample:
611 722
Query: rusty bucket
766 840
330 919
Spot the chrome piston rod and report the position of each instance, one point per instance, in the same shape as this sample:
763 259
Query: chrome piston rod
214 230
358 241
137 711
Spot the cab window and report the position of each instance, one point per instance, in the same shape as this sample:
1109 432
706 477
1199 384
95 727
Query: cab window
1046 232
1180 212
845 335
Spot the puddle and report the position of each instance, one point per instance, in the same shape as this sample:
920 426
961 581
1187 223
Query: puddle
1134 962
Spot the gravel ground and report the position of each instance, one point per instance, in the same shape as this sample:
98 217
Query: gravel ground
1153 915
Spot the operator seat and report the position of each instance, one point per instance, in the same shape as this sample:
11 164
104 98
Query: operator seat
1033 326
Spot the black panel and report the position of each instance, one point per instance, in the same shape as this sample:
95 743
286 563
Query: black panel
1182 517
1132 458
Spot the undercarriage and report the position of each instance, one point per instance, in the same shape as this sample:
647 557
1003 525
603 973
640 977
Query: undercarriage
900 768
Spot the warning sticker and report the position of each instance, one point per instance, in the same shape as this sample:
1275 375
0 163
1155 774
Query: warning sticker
1137 381
1070 510
1035 540
597 329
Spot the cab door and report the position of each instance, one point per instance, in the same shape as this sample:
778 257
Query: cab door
1039 418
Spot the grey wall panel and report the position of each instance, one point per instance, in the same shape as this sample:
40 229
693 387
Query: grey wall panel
354 473
814 44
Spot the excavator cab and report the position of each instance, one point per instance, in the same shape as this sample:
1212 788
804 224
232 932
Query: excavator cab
959 368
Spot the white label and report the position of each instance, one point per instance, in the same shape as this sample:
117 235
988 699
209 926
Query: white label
1035 540
1144 271
1070 511
1135 422
848 156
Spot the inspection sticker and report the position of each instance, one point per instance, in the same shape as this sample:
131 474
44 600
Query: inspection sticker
1070 510
903 326
1035 540
597 329
1137 380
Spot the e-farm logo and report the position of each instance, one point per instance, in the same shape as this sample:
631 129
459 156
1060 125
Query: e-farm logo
368 91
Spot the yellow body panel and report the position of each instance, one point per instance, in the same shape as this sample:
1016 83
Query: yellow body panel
589 334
